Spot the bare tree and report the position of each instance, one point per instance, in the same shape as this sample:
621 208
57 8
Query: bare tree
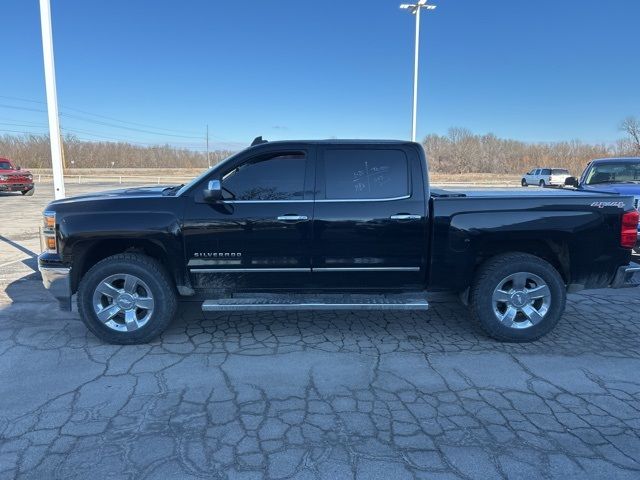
459 151
32 151
631 126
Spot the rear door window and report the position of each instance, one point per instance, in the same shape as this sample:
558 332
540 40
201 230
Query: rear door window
365 174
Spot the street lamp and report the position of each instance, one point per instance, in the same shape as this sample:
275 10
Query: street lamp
415 8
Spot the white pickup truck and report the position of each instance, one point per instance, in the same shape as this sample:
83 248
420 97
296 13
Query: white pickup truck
545 177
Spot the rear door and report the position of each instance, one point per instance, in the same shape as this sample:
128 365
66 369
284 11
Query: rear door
370 218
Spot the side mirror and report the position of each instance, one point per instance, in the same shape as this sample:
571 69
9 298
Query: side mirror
213 192
571 182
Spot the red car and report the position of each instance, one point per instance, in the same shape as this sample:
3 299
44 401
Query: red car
13 179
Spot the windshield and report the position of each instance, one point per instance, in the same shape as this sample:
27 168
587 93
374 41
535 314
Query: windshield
5 166
202 176
623 172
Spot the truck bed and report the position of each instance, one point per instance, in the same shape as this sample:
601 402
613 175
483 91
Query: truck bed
579 229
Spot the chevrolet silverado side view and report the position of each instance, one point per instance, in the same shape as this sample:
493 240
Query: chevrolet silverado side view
313 225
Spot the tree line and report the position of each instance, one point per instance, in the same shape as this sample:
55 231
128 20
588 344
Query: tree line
460 151
33 151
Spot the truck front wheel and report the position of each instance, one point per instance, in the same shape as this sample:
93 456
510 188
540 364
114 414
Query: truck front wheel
517 297
126 299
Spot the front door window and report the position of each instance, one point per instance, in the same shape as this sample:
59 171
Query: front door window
276 178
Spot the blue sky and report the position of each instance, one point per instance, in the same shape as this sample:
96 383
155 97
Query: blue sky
535 71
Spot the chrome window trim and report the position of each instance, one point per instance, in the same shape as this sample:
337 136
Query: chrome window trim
323 200
390 199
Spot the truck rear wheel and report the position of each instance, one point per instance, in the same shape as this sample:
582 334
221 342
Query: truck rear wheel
517 297
126 299
30 192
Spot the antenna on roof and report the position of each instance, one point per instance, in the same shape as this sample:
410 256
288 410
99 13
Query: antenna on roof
258 141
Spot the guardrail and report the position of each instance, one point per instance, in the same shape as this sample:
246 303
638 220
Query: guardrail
173 180
73 178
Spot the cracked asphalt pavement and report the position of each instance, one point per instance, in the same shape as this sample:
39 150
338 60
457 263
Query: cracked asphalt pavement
311 395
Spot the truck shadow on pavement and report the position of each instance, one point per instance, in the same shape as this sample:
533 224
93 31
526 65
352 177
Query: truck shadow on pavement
31 262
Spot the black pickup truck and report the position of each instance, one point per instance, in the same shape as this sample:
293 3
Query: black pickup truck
308 225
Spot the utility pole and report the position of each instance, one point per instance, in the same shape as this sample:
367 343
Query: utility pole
52 100
415 8
208 159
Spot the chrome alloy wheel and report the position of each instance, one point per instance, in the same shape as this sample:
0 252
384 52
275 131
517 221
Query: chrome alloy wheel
123 302
521 300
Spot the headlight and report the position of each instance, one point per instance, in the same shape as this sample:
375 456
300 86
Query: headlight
49 220
3 178
49 232
30 177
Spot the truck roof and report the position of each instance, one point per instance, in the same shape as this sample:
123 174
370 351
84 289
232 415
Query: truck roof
617 159
332 141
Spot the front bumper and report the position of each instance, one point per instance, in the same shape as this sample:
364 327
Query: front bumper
58 281
627 276
15 187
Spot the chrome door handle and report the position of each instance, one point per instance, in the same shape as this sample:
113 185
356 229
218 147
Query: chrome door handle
404 216
290 218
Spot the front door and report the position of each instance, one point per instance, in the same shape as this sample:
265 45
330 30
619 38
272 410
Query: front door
259 236
370 221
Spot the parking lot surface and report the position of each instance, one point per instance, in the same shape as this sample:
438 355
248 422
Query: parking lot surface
310 395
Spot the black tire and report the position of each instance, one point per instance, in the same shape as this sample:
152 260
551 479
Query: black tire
30 192
524 183
153 276
490 277
542 184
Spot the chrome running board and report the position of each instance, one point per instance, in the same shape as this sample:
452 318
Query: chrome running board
270 302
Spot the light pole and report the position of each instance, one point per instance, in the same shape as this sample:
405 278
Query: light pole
208 158
52 99
415 8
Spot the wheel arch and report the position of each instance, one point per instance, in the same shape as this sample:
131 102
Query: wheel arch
87 253
555 252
